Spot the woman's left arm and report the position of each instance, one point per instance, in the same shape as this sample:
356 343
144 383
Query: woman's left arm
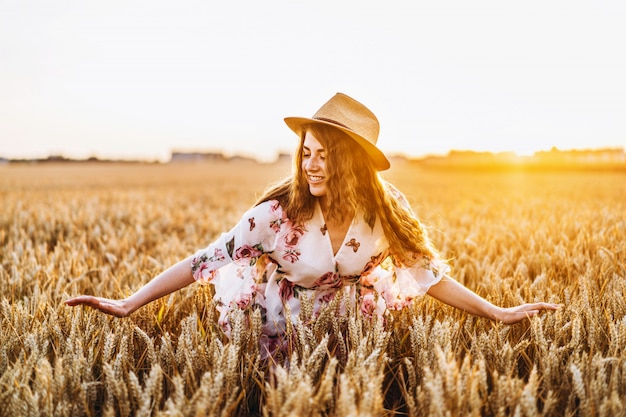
456 295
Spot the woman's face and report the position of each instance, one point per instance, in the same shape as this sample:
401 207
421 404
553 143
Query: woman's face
314 164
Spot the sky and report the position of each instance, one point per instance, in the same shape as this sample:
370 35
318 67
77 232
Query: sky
138 79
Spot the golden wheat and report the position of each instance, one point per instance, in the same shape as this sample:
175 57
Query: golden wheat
511 236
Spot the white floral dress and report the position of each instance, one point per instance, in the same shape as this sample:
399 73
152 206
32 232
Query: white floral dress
266 261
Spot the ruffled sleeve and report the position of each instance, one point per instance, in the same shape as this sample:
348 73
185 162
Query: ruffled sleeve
398 286
252 237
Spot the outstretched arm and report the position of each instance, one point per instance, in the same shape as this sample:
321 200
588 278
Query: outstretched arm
453 293
170 280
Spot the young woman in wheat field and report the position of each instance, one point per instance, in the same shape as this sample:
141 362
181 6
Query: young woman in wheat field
334 226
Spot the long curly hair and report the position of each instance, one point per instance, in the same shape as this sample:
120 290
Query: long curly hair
353 186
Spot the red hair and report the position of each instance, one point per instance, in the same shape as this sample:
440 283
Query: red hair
353 186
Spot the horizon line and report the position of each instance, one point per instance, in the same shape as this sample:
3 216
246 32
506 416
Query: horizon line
282 155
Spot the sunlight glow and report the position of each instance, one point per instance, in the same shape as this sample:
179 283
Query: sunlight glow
140 79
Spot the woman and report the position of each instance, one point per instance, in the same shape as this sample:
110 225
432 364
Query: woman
333 226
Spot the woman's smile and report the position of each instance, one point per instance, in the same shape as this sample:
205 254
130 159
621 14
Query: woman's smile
314 164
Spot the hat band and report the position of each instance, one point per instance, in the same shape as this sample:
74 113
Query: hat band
323 119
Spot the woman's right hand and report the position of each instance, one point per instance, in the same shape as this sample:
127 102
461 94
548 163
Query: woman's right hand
168 281
117 308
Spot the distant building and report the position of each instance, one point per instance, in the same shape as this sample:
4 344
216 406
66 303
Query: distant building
197 157
55 158
241 158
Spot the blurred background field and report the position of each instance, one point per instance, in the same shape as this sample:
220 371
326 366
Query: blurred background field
511 235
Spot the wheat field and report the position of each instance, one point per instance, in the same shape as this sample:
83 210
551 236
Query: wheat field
511 236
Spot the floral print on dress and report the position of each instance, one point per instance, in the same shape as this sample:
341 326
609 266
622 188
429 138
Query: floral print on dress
266 262
373 263
372 303
293 235
328 280
201 265
291 255
248 252
245 298
290 240
353 244
288 290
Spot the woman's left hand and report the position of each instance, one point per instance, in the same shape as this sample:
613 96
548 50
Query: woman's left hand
453 293
516 314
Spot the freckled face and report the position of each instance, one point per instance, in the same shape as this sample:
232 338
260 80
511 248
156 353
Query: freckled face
314 165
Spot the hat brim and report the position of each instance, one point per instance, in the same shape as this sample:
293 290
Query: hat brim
378 158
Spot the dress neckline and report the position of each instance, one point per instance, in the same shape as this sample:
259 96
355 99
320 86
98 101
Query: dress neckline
326 233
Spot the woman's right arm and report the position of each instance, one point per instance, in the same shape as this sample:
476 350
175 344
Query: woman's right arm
170 280
256 230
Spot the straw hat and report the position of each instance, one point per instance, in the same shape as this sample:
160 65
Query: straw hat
352 118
